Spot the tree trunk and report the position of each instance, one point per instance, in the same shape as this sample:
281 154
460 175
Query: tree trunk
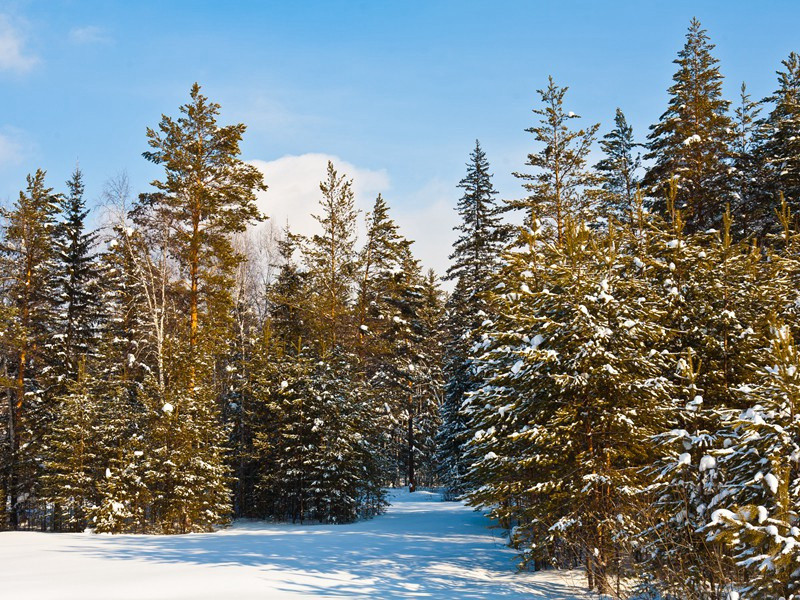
412 482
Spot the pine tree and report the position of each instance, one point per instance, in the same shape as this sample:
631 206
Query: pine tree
73 450
428 380
289 317
475 260
560 428
207 196
76 279
756 513
331 260
781 148
125 360
691 142
317 459
28 264
556 188
749 177
619 170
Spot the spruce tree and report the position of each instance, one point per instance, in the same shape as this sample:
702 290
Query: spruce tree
781 148
691 142
756 513
475 260
76 278
557 186
331 260
619 170
28 255
749 191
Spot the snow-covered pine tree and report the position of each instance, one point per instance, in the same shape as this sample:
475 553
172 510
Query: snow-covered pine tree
691 141
314 443
390 301
756 513
207 196
780 151
73 454
428 381
76 279
749 191
124 359
28 259
619 170
289 318
718 306
475 259
331 260
574 388
556 189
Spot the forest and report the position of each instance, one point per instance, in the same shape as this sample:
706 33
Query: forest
614 376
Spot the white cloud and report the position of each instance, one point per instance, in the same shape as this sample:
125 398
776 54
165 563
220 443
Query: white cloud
13 56
294 193
12 147
89 34
429 221
427 216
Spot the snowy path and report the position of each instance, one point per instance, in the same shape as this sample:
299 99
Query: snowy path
420 548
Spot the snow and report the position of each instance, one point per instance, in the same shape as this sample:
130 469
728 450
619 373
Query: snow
771 482
707 462
692 139
168 408
421 548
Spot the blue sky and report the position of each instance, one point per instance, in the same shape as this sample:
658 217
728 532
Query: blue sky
396 91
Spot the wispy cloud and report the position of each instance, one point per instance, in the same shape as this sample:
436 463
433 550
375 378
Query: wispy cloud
13 55
13 146
89 34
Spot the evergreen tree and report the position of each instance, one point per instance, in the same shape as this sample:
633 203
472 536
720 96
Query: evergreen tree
619 170
691 142
28 255
76 274
749 177
208 195
289 316
331 260
557 187
73 450
560 428
475 260
781 147
756 513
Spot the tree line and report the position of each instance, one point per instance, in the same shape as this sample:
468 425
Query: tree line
157 380
623 392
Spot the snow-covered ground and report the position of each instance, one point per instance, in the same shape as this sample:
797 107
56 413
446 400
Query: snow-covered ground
421 548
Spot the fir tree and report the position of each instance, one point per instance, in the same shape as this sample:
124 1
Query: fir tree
556 188
331 259
749 177
28 254
781 147
73 453
475 260
619 170
756 513
691 142
76 278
